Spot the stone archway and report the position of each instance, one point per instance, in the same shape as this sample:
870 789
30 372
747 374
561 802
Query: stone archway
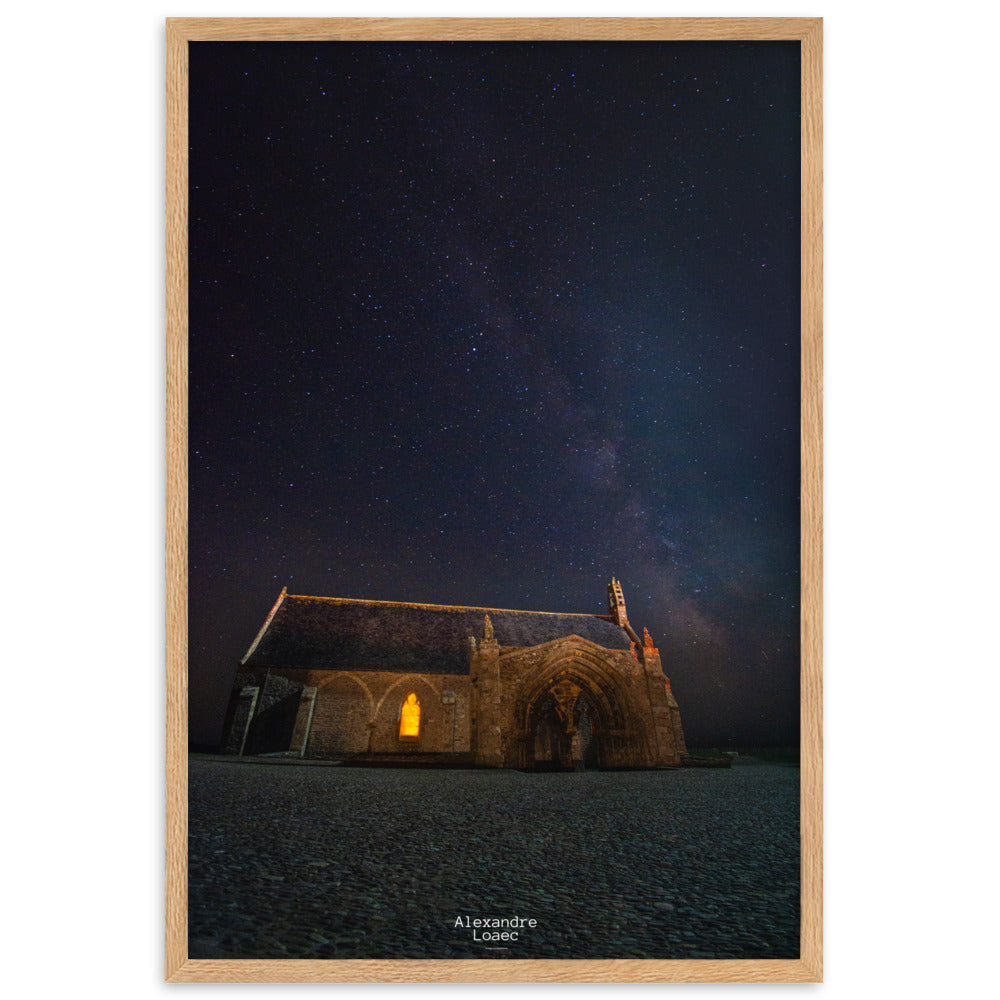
564 734
567 695
340 717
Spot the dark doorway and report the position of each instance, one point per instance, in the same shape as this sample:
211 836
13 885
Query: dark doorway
549 737
562 737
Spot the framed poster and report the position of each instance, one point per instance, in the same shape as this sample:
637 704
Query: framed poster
494 525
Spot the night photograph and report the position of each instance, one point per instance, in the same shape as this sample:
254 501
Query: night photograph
494 466
519 487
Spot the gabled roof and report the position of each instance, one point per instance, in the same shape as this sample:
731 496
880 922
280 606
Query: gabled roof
334 633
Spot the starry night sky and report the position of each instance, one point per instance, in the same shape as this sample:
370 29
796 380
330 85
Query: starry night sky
486 324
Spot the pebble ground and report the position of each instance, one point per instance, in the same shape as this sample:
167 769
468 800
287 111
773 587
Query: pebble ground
336 862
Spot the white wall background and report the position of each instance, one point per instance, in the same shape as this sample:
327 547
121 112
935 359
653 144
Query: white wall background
911 494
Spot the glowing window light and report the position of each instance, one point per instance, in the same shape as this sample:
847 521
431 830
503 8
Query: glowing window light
409 717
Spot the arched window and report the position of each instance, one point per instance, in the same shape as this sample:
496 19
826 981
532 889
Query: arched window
409 716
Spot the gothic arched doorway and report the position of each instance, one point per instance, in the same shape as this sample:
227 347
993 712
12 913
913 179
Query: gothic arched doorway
563 742
565 725
578 706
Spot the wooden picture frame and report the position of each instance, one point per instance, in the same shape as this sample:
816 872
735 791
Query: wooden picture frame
179 968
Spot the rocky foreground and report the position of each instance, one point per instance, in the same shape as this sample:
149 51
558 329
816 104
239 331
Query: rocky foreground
334 862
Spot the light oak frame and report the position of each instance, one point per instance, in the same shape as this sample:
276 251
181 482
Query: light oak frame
180 31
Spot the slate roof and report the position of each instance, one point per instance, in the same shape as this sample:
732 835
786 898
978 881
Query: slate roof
333 633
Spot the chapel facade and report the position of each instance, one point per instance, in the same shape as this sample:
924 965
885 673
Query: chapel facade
353 680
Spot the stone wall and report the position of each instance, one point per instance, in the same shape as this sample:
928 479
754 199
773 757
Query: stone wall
341 715
444 725
332 714
242 706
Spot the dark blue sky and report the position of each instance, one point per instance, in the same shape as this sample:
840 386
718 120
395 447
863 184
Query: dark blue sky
486 324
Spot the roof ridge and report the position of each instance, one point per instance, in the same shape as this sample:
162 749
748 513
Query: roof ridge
441 607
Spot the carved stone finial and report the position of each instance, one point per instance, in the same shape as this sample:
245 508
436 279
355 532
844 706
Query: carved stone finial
487 629
616 602
632 650
647 639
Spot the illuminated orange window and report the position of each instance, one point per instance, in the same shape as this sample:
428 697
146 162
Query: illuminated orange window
409 717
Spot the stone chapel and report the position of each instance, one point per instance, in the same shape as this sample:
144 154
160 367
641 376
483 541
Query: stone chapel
377 681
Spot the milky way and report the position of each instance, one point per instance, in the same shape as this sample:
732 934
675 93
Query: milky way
486 324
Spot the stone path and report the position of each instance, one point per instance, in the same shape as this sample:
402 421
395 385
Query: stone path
333 862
